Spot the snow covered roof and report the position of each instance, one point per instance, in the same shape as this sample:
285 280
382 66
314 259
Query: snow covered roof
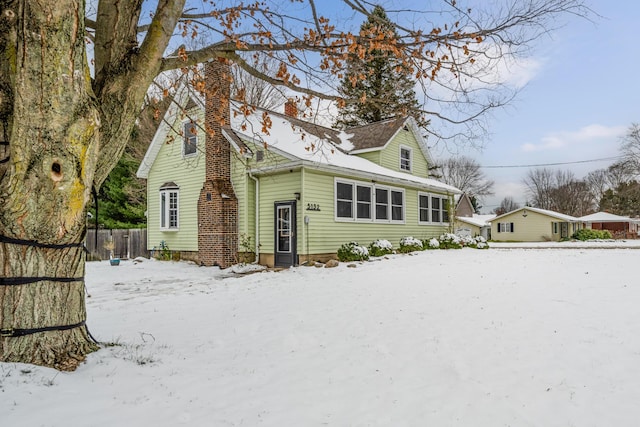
303 143
605 217
311 145
477 220
557 215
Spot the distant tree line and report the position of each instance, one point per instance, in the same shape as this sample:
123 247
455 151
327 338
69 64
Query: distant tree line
614 189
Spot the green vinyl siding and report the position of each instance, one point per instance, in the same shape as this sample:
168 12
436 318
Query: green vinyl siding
372 156
390 155
269 157
188 174
276 188
323 234
245 190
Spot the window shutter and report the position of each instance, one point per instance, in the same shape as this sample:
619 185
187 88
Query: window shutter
512 229
498 227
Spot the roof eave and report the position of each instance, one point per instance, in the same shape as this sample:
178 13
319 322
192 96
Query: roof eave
340 170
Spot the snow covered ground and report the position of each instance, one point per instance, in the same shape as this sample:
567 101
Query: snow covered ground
499 337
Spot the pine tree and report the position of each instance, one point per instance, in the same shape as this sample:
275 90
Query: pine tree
379 85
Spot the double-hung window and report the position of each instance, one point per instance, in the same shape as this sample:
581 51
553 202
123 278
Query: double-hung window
363 200
382 204
190 139
405 159
423 207
433 209
360 201
436 209
344 200
505 227
397 205
169 206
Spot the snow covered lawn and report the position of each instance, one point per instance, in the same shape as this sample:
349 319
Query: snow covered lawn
499 337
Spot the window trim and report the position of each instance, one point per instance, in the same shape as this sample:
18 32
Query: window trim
505 227
359 202
410 159
184 137
164 219
336 200
385 204
373 204
443 199
403 206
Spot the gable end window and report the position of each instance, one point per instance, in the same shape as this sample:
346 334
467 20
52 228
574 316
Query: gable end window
190 139
405 159
169 206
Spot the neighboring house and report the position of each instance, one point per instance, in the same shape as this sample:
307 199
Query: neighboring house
533 225
464 206
619 226
287 194
476 225
467 222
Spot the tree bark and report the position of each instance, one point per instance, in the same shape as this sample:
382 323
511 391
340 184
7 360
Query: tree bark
52 139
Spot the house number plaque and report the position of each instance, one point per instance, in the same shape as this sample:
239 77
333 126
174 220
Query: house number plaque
313 207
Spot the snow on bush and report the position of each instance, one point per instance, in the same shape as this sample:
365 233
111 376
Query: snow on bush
352 251
380 247
481 242
453 241
450 241
410 244
433 243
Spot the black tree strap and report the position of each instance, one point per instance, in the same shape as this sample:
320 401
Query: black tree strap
11 333
36 244
14 281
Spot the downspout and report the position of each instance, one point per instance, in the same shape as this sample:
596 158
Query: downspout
257 215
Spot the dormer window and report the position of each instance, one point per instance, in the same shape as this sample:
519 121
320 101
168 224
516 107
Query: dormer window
405 159
190 141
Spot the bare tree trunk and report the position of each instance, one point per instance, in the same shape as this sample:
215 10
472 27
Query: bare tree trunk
51 141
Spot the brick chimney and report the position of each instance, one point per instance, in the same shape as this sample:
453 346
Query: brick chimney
217 204
290 108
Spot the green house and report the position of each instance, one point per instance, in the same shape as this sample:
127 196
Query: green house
285 194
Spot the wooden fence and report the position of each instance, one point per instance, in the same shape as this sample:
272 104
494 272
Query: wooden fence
130 243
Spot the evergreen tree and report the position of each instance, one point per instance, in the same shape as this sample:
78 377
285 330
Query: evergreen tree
375 76
121 199
624 200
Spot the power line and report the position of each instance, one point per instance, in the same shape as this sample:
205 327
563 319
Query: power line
552 164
